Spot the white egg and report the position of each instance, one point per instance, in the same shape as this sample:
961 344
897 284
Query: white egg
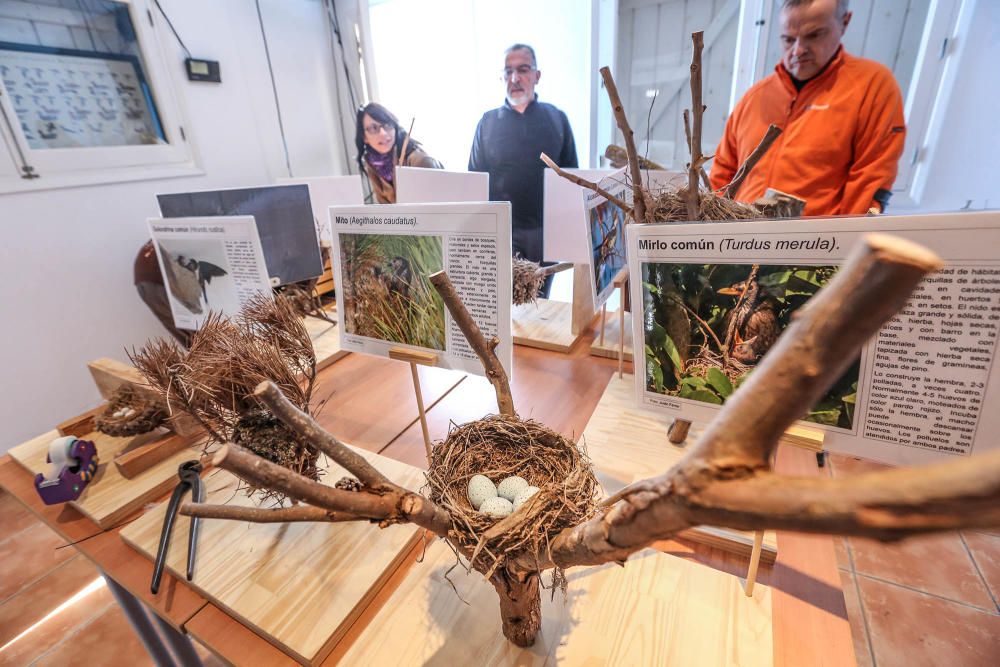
524 495
510 487
481 488
496 506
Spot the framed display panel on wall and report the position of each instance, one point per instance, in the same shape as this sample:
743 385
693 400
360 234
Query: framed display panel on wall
85 97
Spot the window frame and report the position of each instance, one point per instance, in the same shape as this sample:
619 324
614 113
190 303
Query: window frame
70 167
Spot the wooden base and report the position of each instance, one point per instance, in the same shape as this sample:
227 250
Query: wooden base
109 374
325 339
110 496
612 336
545 324
627 443
657 610
298 585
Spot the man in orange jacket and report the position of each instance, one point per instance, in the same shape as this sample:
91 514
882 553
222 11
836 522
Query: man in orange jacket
841 116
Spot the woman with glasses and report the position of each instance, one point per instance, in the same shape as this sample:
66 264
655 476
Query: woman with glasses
381 142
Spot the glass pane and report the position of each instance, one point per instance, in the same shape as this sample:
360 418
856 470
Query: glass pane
74 74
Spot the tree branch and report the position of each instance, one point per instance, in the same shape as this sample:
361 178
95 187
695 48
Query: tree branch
687 135
697 113
486 351
638 201
573 178
545 271
772 134
306 427
261 515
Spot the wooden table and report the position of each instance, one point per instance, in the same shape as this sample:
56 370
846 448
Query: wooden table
371 404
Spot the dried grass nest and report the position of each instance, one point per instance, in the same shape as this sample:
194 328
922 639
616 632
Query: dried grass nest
146 414
499 446
527 281
669 205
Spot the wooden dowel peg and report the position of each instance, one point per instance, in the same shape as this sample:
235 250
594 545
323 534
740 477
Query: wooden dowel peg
758 543
414 357
604 321
678 431
420 410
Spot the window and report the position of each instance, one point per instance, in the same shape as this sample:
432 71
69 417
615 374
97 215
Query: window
84 96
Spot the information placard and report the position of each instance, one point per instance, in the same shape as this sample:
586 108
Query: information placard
919 389
606 235
419 185
383 256
212 264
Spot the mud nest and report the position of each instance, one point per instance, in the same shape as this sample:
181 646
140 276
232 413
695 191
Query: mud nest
671 205
527 281
500 446
128 413
266 436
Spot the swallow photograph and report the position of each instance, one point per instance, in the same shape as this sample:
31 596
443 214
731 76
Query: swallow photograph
386 293
707 326
188 269
607 240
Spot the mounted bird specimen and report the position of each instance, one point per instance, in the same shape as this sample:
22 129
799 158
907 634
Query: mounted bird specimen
187 278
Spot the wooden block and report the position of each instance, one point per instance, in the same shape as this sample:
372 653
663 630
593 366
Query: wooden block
657 610
621 278
413 356
81 424
804 437
298 585
545 324
612 328
583 309
109 374
627 443
109 497
142 456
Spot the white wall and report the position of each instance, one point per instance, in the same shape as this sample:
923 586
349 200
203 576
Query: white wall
66 263
966 161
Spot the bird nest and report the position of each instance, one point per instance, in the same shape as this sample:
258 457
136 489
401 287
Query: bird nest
670 205
129 413
527 281
499 446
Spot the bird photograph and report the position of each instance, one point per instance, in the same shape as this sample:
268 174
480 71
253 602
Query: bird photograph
607 238
385 292
706 326
187 278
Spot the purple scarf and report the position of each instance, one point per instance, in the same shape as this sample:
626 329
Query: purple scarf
383 163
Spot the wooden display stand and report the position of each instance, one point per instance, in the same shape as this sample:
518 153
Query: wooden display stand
414 357
611 342
627 443
298 585
657 610
554 325
325 338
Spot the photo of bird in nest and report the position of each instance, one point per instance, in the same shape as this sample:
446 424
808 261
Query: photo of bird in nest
386 294
706 326
187 278
607 239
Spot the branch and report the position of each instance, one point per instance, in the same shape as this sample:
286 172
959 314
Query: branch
618 157
573 178
772 134
260 515
545 271
639 212
486 351
306 427
687 135
396 506
697 112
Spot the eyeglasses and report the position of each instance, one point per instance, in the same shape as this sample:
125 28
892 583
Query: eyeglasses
522 70
376 128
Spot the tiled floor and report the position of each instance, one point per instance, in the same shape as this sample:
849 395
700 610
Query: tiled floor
925 601
54 607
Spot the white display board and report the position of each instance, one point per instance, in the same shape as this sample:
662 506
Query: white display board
327 191
417 185
605 228
920 388
209 264
382 257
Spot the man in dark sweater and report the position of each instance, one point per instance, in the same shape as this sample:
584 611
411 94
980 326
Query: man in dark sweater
507 145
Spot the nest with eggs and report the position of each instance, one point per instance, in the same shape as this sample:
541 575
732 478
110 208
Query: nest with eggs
129 413
498 447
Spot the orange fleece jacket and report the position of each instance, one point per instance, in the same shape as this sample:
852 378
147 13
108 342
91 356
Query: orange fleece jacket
843 134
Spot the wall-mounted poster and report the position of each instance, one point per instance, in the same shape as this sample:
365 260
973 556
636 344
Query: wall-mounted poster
606 235
284 219
208 265
67 98
716 297
383 256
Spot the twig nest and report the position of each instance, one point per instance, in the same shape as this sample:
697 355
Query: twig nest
499 447
129 413
481 489
496 506
526 281
510 487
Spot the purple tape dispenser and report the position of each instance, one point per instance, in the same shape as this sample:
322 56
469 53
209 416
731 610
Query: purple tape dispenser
72 464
